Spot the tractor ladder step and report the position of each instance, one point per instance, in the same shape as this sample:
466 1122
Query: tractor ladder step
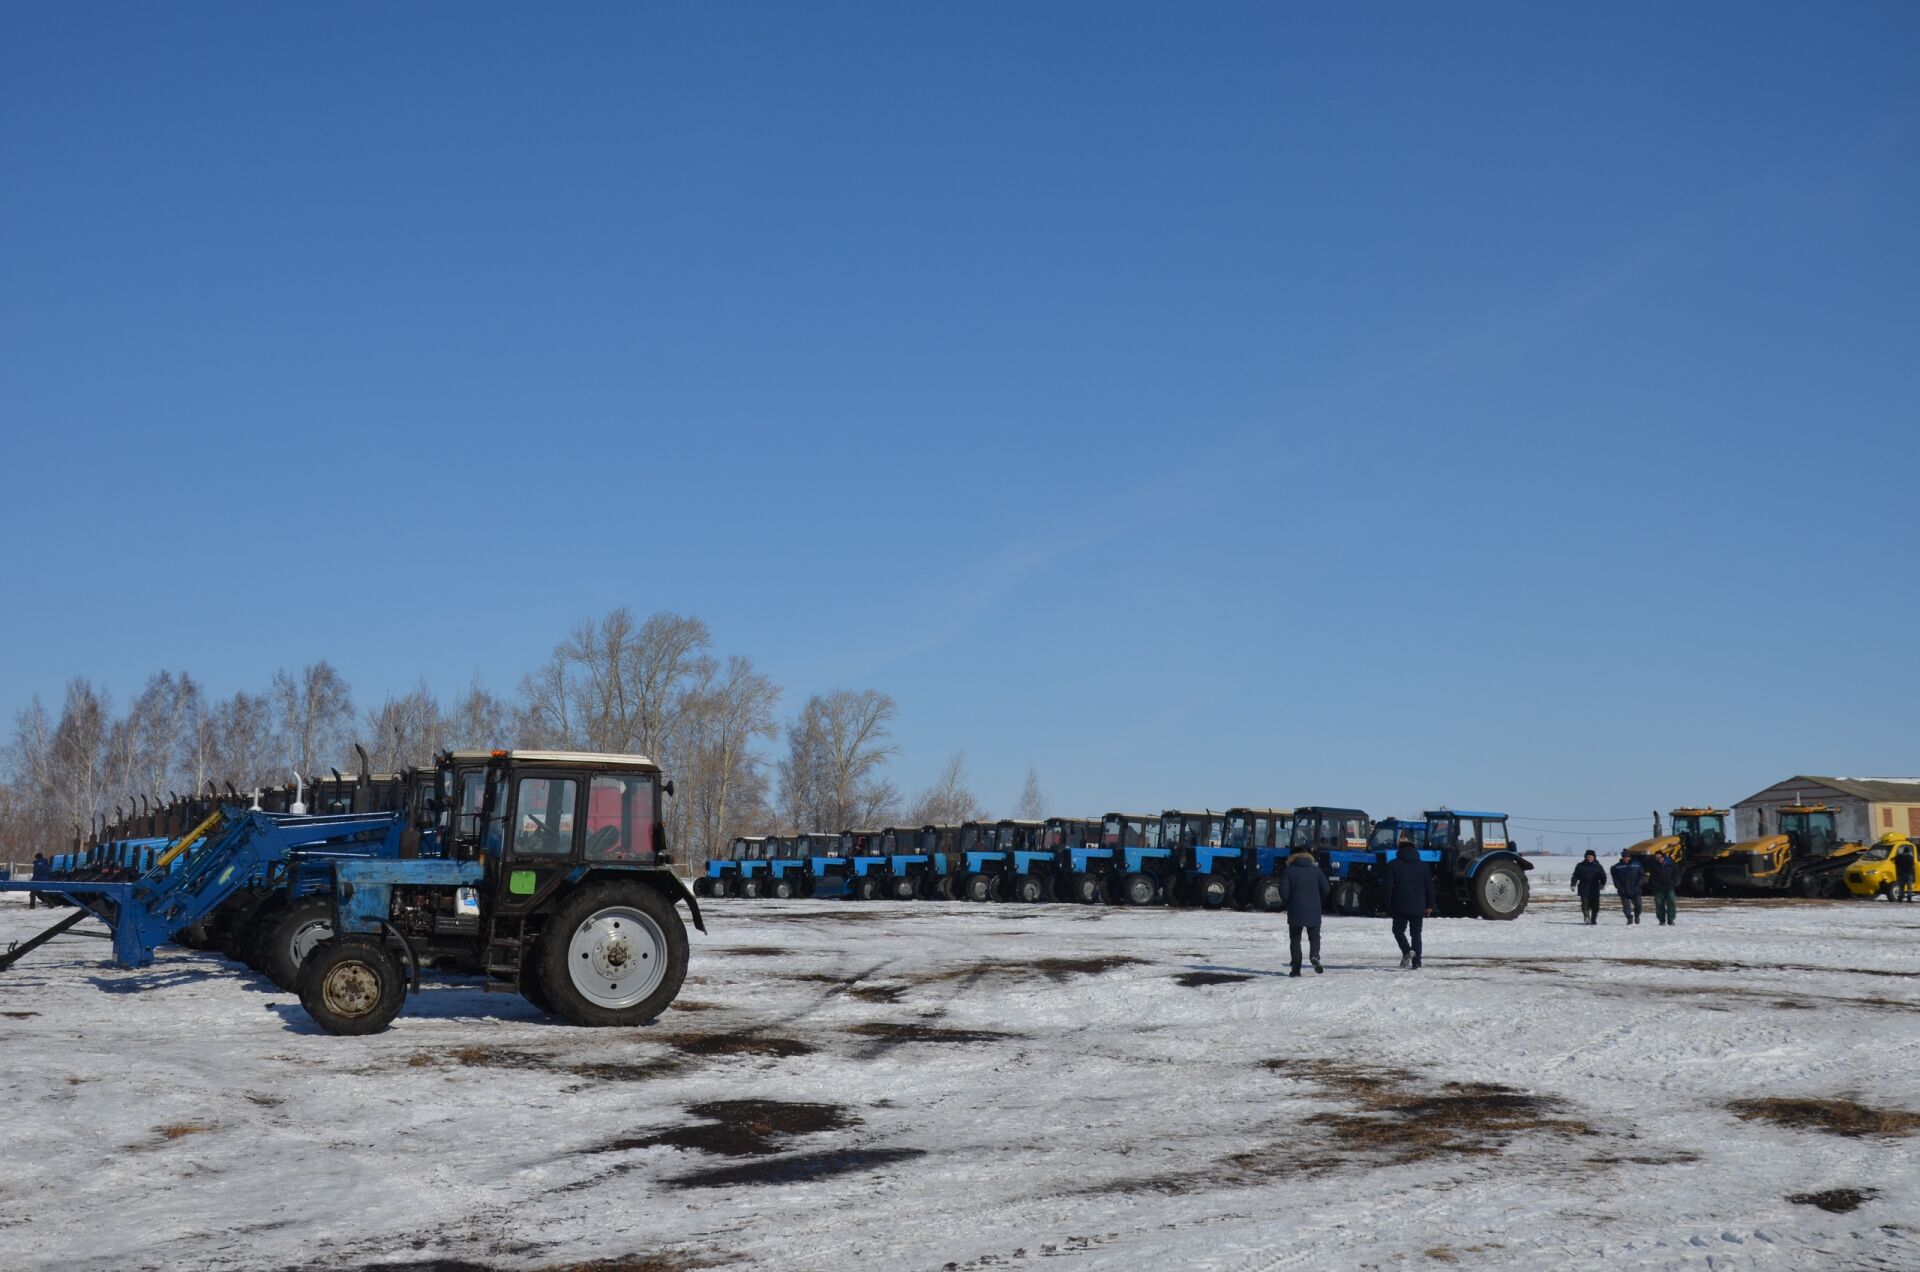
503 964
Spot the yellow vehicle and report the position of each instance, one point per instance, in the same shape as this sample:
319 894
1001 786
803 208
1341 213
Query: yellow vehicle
1698 835
1806 857
1872 873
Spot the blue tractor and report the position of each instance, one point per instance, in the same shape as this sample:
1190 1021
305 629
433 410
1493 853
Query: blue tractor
916 863
722 877
988 855
829 873
559 887
1477 871
1095 867
1261 840
787 873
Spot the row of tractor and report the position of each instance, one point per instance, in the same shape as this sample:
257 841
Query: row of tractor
545 872
1804 856
1210 860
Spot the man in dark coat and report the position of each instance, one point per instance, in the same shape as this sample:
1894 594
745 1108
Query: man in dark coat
1410 899
1903 873
1303 886
1663 876
1590 880
1627 875
42 869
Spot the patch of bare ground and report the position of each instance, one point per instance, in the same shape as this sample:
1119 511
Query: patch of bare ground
755 951
1844 1117
685 1004
1839 1201
18 1015
799 1169
1392 1117
1200 980
743 1128
1721 965
1059 970
180 1130
1676 1157
888 1031
877 993
738 1042
625 1263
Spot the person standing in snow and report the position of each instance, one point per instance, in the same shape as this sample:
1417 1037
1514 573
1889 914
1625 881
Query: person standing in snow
1663 876
1903 873
1410 899
1590 880
1626 881
42 868
1303 886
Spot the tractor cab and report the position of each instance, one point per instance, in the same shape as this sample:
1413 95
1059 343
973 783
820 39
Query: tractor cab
1810 829
723 869
1331 833
1391 833
1477 871
1184 832
550 814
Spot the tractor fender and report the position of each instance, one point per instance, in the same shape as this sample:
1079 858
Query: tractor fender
1503 854
666 881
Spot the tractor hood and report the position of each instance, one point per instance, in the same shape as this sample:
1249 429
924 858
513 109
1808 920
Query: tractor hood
1665 846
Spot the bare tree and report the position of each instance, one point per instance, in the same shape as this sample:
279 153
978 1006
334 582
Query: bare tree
479 720
830 778
313 712
245 751
404 732
949 801
720 778
1032 805
616 685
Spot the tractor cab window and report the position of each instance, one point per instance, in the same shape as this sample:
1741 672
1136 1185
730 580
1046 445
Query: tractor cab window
1237 832
473 795
543 816
1466 833
620 817
1493 832
1440 831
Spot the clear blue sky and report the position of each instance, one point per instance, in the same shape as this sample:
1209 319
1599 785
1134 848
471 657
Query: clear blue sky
1375 404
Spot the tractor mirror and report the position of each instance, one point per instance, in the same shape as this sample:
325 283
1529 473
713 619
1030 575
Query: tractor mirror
667 786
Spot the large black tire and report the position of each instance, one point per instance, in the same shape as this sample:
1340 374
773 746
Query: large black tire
1175 889
1138 889
1085 889
780 889
533 988
292 936
1264 893
979 887
1693 882
945 889
865 887
1500 891
750 888
703 886
904 887
1811 886
1028 889
1213 892
352 986
257 941
1349 898
613 954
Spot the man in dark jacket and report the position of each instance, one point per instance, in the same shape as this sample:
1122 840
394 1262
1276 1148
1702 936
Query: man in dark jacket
1303 886
1410 899
1903 873
42 869
1590 880
1626 881
1663 876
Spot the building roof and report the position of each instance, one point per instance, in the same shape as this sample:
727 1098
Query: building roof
1876 790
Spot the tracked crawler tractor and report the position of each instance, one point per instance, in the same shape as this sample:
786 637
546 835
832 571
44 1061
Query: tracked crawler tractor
1694 839
1805 858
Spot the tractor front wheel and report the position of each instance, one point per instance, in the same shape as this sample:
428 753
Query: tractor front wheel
1028 889
1265 892
905 887
1349 898
295 933
613 954
703 887
352 986
978 887
781 889
1138 889
1085 889
865 888
1215 891
1500 892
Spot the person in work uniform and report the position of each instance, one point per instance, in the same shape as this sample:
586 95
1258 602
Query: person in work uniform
1663 877
1590 880
1410 899
1627 875
1303 886
42 869
1903 873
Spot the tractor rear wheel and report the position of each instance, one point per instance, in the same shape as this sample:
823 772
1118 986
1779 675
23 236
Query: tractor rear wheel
1085 889
1138 889
978 887
1215 891
703 887
352 985
532 988
905 887
1028 889
614 954
295 933
1349 898
1264 893
1500 891
1693 882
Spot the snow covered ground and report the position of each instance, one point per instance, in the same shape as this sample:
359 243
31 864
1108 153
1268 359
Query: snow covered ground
997 1086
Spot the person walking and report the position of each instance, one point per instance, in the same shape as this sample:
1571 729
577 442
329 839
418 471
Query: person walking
1303 886
42 868
1663 877
1627 875
1410 899
1590 880
1903 873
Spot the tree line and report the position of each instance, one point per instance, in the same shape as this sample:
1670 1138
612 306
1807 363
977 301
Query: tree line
654 687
